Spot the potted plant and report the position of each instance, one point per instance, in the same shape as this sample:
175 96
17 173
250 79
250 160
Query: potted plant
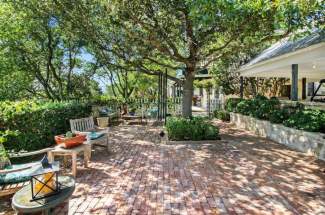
70 140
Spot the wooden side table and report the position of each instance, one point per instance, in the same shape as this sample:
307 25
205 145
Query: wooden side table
21 200
73 152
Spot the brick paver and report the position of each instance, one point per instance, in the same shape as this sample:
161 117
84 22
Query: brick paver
240 174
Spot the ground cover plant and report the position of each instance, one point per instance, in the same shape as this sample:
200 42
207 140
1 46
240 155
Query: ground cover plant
195 128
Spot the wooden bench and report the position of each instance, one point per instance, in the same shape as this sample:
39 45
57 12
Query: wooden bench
87 125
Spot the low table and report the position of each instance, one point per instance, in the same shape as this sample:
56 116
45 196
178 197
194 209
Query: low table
73 152
21 200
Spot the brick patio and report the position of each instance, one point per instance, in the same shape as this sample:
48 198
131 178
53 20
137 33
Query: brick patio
240 174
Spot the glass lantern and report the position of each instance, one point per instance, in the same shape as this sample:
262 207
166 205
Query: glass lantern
44 180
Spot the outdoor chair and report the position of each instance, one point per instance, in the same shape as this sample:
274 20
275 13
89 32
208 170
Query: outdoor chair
95 135
15 176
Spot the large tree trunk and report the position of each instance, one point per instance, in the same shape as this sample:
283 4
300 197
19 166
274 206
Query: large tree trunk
188 92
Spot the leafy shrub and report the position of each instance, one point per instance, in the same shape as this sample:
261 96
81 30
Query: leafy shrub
196 128
308 120
259 107
30 125
279 116
245 107
222 115
211 133
262 107
269 109
231 104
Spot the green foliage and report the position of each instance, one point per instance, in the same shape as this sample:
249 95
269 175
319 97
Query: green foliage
223 115
205 83
308 120
196 128
106 101
126 85
149 36
279 116
13 84
69 134
29 125
39 57
263 107
245 107
211 133
259 107
231 104
3 153
292 116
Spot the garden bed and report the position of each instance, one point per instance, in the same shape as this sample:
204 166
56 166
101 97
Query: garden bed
304 141
195 129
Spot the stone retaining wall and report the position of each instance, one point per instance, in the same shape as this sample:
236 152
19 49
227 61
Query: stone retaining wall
308 142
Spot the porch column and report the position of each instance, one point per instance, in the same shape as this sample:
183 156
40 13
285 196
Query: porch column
241 87
304 84
294 82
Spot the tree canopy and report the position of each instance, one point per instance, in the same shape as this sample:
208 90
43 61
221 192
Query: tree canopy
152 34
42 52
144 36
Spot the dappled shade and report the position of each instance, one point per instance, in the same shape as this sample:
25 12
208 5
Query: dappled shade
240 173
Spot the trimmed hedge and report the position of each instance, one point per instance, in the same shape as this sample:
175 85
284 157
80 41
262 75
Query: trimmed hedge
270 109
31 125
196 128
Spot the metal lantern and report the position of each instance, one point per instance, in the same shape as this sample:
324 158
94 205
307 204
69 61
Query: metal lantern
44 180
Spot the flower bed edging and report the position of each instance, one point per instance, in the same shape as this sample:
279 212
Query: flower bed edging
304 141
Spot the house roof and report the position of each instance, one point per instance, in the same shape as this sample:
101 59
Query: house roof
286 46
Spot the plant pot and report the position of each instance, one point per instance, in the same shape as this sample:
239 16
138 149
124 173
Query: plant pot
102 122
70 142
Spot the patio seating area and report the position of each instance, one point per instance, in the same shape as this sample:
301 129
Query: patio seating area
162 107
239 174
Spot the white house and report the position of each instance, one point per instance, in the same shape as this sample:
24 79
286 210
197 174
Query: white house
302 61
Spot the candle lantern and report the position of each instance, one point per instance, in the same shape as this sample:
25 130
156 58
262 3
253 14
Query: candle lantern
44 180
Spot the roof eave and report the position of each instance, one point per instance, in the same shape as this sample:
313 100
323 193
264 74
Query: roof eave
281 57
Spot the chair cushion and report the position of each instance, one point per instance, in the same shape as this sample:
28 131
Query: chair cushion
19 176
95 135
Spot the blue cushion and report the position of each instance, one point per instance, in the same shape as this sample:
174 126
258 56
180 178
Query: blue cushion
95 135
16 177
